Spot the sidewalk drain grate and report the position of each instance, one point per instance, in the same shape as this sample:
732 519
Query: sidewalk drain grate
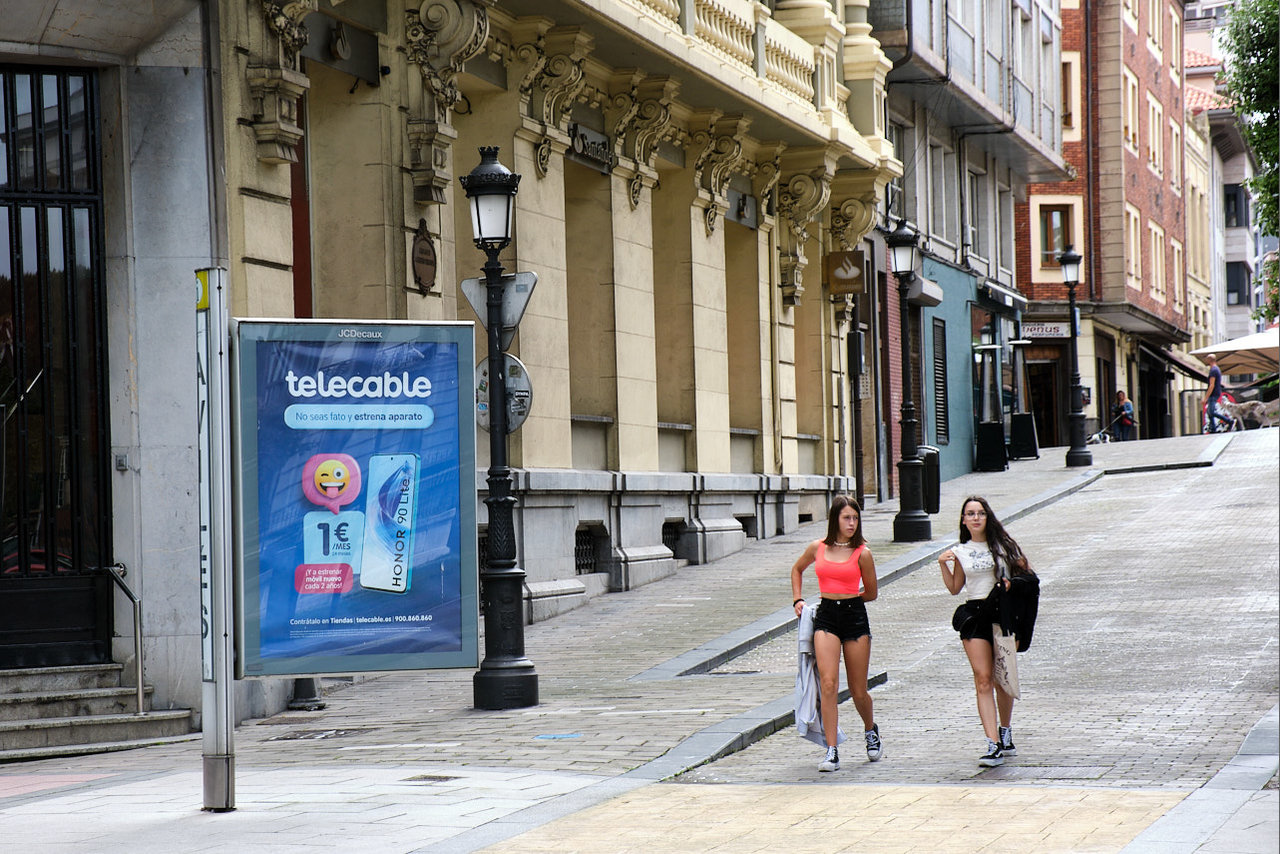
430 778
317 734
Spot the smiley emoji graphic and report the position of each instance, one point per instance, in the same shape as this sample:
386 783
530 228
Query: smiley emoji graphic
331 480
332 477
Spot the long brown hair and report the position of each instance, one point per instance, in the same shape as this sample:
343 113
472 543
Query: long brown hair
833 521
1004 548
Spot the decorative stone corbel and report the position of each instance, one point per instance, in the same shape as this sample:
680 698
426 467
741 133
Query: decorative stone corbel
440 36
555 76
642 120
861 192
764 179
800 199
720 155
275 79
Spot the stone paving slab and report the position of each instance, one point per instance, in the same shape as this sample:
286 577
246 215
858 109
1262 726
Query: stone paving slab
732 819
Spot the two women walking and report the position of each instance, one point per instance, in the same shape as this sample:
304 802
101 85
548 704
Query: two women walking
988 566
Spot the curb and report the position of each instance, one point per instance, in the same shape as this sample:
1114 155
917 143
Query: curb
1203 813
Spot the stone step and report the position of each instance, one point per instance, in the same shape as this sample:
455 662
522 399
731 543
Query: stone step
26 680
79 702
58 732
28 753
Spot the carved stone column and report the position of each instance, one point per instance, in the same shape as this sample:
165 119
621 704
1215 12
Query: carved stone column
440 36
865 68
275 79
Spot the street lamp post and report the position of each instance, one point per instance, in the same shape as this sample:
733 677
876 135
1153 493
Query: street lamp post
506 678
912 523
1077 454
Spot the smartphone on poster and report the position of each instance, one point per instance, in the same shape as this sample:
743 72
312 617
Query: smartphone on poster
390 506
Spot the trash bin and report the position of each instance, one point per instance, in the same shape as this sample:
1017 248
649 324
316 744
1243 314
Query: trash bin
931 478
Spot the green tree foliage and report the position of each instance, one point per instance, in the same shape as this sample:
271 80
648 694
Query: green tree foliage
1252 78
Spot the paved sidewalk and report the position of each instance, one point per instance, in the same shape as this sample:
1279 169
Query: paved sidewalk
403 763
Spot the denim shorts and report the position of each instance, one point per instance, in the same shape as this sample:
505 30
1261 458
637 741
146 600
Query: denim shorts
844 618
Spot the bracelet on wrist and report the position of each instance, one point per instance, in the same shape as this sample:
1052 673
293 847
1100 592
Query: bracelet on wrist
798 601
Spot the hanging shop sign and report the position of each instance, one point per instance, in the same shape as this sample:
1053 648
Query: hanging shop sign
845 272
357 495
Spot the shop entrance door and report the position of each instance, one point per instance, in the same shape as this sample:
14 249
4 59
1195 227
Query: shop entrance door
1042 387
55 600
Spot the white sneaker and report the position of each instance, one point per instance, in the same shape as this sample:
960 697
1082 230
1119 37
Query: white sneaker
832 762
875 749
993 757
1006 741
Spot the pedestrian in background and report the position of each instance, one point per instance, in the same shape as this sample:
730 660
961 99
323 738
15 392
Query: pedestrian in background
846 581
1212 395
991 565
1122 416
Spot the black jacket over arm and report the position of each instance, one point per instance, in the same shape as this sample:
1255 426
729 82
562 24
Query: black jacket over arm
1018 606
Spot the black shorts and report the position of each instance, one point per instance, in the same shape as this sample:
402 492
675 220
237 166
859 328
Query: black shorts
973 619
844 618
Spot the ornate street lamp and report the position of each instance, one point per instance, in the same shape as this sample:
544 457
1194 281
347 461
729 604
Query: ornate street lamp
1077 454
506 678
912 523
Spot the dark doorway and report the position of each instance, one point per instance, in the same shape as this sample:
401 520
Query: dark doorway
1042 386
55 602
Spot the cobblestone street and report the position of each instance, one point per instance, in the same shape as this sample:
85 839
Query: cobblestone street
1154 652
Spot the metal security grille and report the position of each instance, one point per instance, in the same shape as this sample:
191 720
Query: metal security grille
584 551
54 503
941 426
671 534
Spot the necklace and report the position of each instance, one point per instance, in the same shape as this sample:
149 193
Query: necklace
845 543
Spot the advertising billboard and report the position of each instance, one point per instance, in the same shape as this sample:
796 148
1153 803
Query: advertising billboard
356 493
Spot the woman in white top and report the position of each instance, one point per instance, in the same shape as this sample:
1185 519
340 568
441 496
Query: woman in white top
987 556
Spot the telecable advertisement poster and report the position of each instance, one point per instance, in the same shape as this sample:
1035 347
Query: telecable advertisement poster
357 493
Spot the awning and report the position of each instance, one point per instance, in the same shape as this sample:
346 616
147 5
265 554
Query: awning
1187 365
1176 360
1007 297
1258 353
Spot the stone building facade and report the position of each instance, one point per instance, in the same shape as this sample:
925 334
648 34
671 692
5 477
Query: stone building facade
689 168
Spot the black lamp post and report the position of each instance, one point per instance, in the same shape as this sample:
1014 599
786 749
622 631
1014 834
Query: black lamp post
1077 454
506 678
912 523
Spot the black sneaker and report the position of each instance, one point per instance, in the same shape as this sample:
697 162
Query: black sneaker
831 762
1006 741
993 757
874 748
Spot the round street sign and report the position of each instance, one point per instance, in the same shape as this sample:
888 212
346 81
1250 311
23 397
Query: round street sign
519 393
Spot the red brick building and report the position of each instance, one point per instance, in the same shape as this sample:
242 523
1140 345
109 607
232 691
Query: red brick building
1123 112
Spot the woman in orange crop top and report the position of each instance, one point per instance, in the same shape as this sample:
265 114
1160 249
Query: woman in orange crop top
846 581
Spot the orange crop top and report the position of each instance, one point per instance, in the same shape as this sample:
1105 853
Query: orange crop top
838 577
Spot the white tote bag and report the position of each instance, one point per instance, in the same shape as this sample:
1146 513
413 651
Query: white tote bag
1005 670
